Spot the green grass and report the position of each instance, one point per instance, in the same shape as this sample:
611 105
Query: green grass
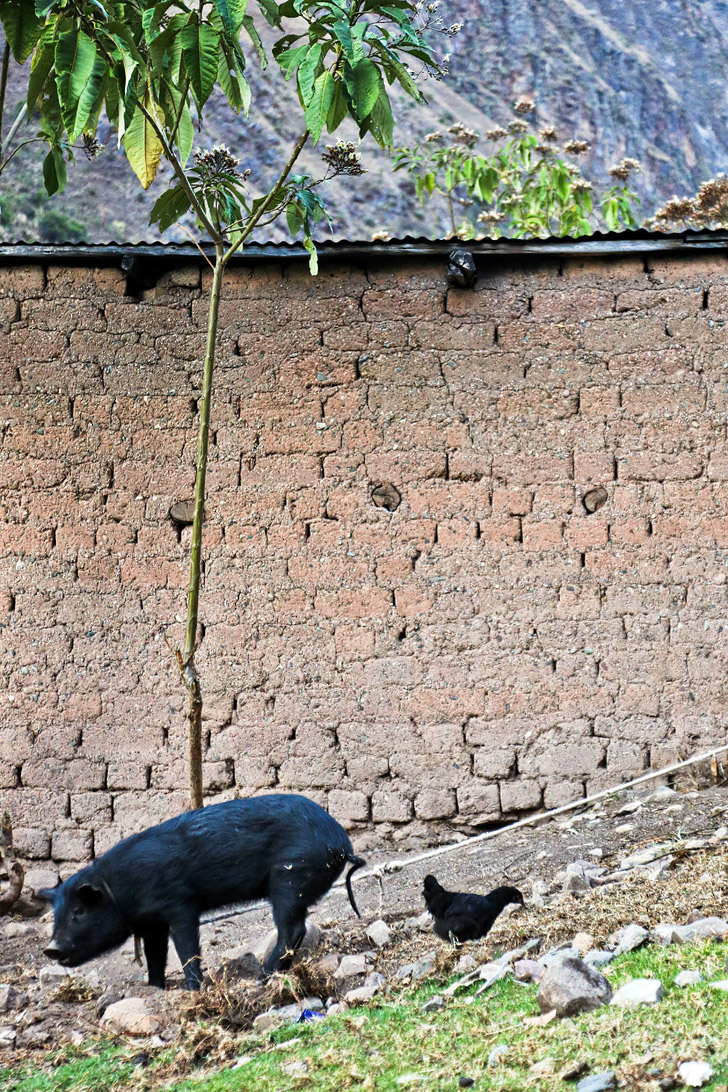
376 1046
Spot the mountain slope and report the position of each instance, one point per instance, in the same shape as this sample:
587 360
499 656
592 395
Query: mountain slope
638 79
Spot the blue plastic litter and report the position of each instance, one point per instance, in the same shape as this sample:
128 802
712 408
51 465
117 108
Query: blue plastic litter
307 1015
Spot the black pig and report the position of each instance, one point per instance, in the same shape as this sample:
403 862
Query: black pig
285 849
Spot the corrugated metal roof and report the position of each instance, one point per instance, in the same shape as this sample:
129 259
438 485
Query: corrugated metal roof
638 240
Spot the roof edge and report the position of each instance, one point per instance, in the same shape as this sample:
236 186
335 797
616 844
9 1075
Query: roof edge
639 241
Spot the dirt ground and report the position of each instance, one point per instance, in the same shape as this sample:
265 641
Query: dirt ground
605 833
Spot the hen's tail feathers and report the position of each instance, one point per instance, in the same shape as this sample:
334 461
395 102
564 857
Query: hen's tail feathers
357 862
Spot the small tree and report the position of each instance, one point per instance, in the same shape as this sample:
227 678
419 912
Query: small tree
152 66
524 188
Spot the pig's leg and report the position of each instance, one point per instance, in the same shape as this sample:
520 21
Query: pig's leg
291 925
186 938
155 949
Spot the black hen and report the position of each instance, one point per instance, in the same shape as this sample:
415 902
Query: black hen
459 916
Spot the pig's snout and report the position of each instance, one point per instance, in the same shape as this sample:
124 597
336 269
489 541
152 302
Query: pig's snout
53 951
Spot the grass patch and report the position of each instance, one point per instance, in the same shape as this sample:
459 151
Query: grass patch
390 1045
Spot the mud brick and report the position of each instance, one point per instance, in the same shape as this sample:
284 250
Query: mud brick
520 795
478 802
348 806
390 807
72 845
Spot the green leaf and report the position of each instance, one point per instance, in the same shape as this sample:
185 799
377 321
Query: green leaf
170 207
41 66
42 7
308 70
382 122
231 79
22 27
289 59
294 216
255 39
339 107
90 100
185 134
231 12
54 171
318 109
200 45
271 12
363 83
142 145
342 30
75 65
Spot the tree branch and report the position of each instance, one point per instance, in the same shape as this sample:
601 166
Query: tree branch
4 86
253 221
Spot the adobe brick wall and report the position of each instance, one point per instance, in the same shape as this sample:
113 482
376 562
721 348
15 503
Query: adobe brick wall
487 648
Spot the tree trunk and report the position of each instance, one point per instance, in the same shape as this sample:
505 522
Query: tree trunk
186 659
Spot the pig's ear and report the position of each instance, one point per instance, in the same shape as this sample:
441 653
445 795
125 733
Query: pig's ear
49 893
89 895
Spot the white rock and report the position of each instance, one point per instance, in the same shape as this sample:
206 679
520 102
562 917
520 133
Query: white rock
10 998
646 856
720 985
464 964
52 975
640 991
350 966
575 879
379 933
132 1016
277 1018
360 995
434 1004
597 957
695 1074
499 1051
7 1035
688 978
629 938
571 986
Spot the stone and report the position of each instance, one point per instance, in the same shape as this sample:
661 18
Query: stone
277 1018
499 1051
52 975
350 966
379 933
239 962
375 979
575 880
313 1004
582 943
360 995
528 970
722 984
132 1016
404 973
646 856
544 1067
464 964
336 1009
8 1035
19 929
570 986
421 924
11 999
434 1004
598 1082
422 967
639 991
695 1074
629 938
597 957
686 934
688 978
329 964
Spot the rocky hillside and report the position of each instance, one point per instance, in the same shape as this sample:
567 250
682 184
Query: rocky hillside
638 79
